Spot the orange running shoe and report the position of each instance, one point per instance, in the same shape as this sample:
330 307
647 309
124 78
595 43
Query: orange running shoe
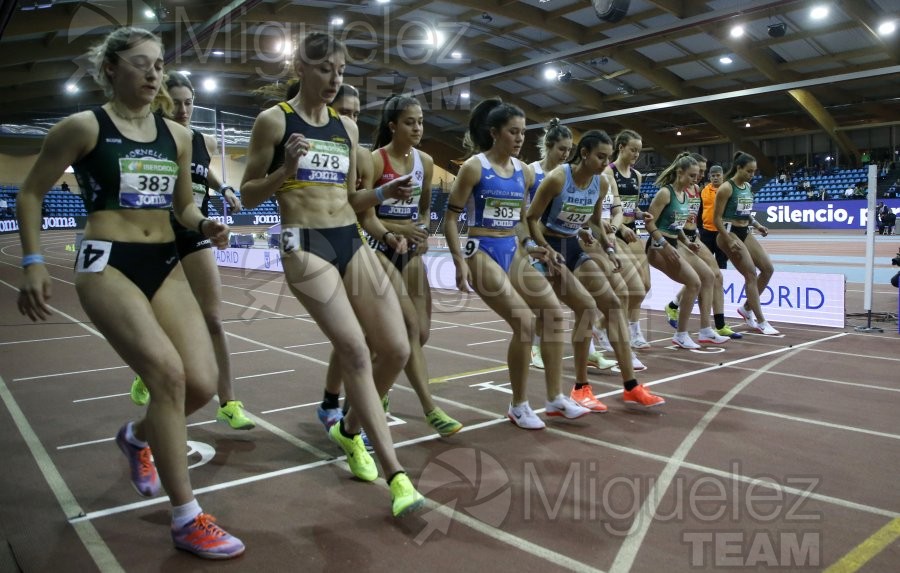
204 538
640 396
586 398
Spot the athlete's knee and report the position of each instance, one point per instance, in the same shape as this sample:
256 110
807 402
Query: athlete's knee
766 269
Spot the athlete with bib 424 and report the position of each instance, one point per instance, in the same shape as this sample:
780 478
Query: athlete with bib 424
133 166
304 153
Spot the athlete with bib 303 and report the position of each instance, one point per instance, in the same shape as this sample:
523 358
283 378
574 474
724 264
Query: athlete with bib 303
133 166
304 153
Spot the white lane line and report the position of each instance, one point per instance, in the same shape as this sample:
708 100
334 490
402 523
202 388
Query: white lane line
91 539
731 363
249 351
80 400
264 374
44 339
857 356
486 342
69 373
628 551
294 407
487 322
442 328
470 326
308 344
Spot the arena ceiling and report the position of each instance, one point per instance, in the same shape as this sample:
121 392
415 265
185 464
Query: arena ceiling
663 69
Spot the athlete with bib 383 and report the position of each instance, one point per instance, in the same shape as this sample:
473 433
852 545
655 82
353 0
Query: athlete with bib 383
133 166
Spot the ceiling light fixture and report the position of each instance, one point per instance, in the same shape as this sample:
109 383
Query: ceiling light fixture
184 72
737 31
435 37
678 133
725 60
887 28
71 88
210 85
337 21
747 124
819 13
464 95
456 55
218 53
148 13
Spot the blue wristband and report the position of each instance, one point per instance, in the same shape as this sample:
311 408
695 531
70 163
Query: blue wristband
29 260
379 194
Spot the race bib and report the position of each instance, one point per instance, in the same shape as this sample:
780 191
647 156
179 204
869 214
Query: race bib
325 162
629 206
470 247
745 207
199 193
93 256
290 239
406 208
693 208
501 213
680 218
146 183
606 207
573 217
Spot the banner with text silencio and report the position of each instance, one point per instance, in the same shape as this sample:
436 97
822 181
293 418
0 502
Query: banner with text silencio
847 214
797 298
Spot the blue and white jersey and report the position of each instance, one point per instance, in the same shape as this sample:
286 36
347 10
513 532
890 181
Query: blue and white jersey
538 177
573 207
496 201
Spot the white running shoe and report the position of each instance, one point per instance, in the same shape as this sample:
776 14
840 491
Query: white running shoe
638 342
748 317
564 406
602 340
597 360
683 340
524 417
536 359
709 336
765 328
636 364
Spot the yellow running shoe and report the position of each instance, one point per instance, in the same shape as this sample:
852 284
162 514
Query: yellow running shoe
404 497
442 423
140 394
361 463
232 413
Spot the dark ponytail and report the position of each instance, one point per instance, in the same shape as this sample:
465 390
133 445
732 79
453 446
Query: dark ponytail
390 112
740 159
589 141
490 113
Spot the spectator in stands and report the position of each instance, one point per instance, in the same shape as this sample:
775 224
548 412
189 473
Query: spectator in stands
849 192
812 194
65 187
862 189
865 158
782 177
5 211
890 219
